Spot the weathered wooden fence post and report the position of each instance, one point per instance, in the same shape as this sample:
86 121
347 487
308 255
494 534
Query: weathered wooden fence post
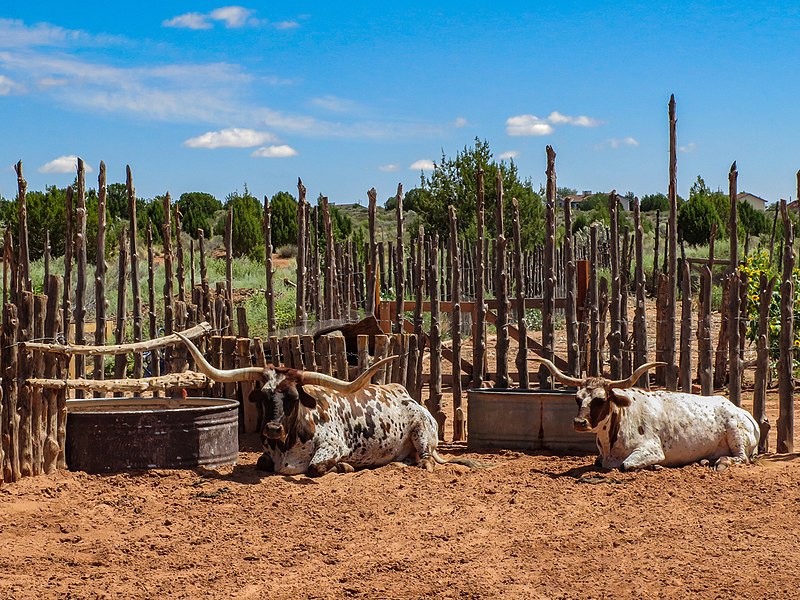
501 291
595 361
671 371
614 336
301 316
101 267
120 362
137 297
762 361
479 318
399 273
734 305
459 424
548 290
80 287
522 351
785 362
435 399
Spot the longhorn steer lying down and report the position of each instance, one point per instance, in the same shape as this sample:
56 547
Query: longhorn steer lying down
636 428
315 423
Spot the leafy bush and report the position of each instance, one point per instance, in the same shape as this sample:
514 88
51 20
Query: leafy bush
696 219
247 235
654 202
287 251
198 210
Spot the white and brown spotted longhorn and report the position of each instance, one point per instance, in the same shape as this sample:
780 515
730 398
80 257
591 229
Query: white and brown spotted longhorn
316 423
637 428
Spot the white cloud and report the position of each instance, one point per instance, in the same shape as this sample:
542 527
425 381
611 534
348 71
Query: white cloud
460 122
690 147
283 151
509 154
192 20
48 82
233 16
230 138
626 141
17 35
422 165
8 86
333 103
556 118
286 25
527 125
388 168
64 164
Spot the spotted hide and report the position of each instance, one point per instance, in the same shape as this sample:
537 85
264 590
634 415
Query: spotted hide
637 428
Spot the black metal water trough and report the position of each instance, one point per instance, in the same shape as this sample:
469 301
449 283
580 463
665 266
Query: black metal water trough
525 420
106 435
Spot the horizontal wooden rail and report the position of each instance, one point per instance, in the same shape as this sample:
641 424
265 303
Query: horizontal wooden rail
198 330
187 379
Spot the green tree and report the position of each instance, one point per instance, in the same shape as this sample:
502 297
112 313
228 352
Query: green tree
284 219
751 221
453 181
654 202
46 212
247 236
696 219
198 210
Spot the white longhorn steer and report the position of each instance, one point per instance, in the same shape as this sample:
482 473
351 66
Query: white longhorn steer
637 428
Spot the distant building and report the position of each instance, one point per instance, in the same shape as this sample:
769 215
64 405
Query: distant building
752 200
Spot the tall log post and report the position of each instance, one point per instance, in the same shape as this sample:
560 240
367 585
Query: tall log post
501 291
549 289
330 267
614 335
69 247
595 361
522 352
180 270
155 362
734 306
269 290
100 269
79 315
762 361
435 399
372 267
229 270
36 368
399 260
208 308
419 292
785 362
120 360
24 282
169 290
639 315
459 420
52 326
655 252
686 328
671 371
11 441
25 401
571 302
479 323
133 238
301 316
624 286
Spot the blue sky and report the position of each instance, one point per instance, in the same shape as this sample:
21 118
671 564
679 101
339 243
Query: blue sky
208 96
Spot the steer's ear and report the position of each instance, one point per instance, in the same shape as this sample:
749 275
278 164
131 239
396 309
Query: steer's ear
306 399
618 397
257 396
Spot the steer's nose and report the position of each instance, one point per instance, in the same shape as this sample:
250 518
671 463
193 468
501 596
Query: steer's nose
274 430
580 424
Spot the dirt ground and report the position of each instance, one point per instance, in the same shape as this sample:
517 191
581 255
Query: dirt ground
533 526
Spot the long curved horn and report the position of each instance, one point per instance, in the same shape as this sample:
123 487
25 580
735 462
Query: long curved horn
631 381
223 376
347 387
563 378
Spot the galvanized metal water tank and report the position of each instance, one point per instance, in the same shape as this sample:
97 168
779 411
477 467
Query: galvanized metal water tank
525 420
106 435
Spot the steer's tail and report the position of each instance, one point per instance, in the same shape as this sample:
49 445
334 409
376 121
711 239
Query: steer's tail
467 462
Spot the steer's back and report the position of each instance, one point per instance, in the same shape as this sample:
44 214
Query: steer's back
689 427
373 426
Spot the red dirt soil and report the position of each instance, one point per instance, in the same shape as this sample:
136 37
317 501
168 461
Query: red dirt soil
534 526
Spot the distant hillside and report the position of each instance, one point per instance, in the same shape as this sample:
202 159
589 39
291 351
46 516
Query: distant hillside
385 221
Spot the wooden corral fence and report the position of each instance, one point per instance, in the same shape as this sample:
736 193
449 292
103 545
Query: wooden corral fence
420 289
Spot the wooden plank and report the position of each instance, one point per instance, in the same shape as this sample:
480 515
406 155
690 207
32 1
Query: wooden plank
249 409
